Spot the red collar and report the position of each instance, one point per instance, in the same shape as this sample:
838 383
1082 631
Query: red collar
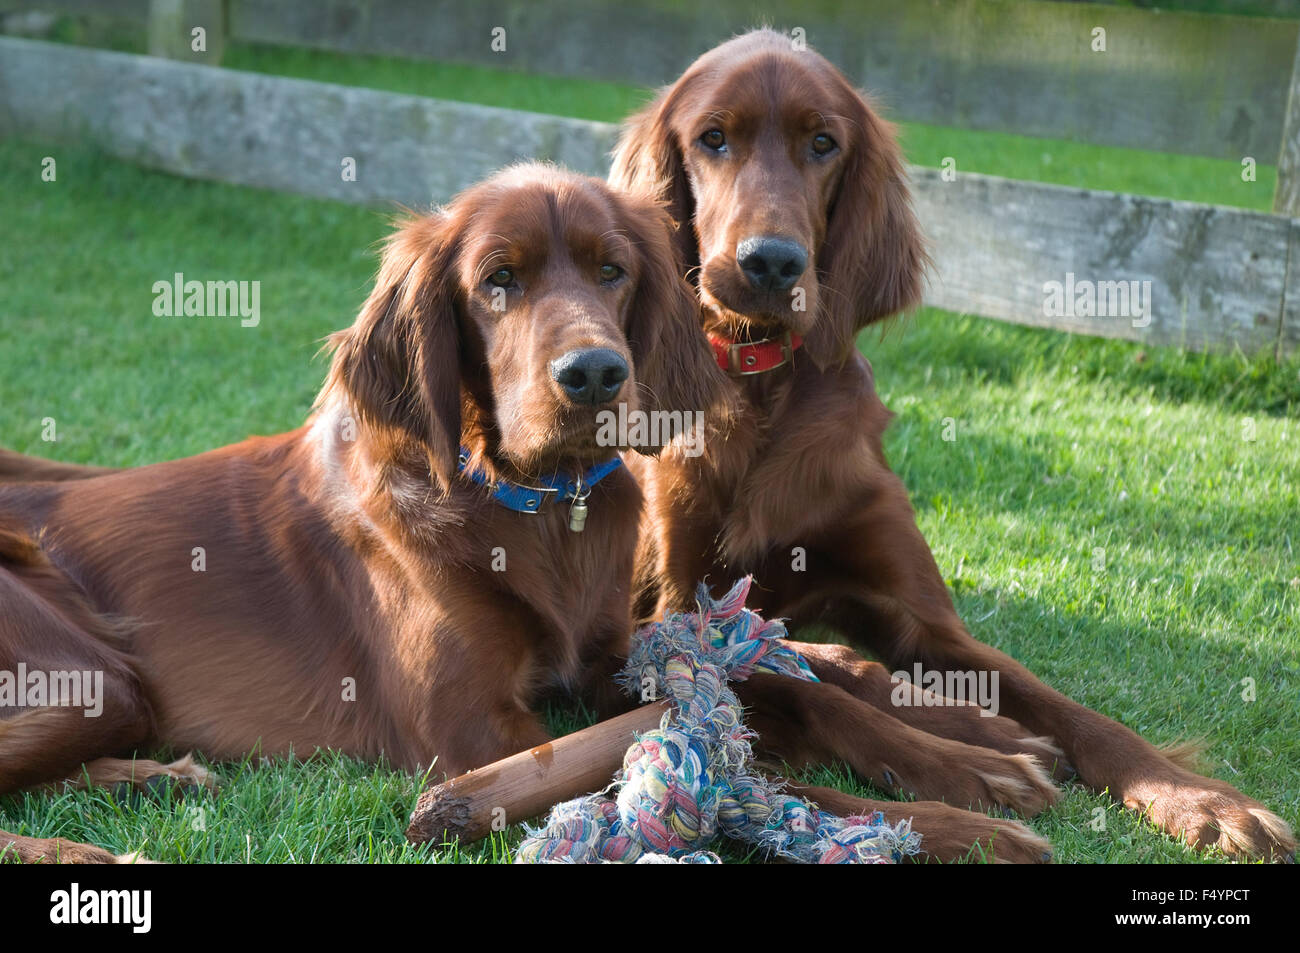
754 357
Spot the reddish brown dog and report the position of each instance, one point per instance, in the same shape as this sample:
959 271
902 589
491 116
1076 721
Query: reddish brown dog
797 228
338 586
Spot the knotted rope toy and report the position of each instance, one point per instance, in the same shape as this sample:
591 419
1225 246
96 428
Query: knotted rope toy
691 779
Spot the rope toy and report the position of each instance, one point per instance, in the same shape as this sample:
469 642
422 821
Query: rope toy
691 779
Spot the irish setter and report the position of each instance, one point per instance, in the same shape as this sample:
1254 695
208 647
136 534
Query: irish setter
402 575
796 227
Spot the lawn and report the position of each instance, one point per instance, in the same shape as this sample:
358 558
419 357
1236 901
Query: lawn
1119 518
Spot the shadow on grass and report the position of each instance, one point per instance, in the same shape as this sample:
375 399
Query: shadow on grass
1008 354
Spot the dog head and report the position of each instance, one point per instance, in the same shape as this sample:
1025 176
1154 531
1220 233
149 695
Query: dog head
513 317
789 191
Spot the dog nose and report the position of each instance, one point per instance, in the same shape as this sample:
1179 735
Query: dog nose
590 375
770 263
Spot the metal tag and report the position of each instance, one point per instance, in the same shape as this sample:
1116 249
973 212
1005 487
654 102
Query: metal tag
578 515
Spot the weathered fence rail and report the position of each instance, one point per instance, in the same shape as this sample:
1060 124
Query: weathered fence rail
1169 82
1219 277
273 132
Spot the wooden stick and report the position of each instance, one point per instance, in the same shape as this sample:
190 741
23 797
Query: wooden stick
529 783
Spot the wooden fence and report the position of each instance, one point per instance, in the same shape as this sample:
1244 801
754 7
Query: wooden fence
1218 277
1168 82
1213 86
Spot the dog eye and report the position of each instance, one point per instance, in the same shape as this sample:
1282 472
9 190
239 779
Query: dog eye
502 278
822 144
610 273
715 140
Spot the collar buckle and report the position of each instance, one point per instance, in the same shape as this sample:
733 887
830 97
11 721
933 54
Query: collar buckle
743 356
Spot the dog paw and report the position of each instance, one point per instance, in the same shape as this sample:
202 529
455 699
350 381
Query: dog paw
1010 737
949 834
1207 813
189 773
135 857
980 779
973 725
1016 782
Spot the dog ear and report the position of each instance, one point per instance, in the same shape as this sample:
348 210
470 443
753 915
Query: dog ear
674 366
399 364
648 162
873 259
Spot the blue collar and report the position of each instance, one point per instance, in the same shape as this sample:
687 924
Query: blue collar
533 499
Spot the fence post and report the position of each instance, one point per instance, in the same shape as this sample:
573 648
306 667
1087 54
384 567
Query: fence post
192 30
1286 200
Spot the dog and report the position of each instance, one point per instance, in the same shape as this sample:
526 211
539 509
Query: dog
795 225
446 540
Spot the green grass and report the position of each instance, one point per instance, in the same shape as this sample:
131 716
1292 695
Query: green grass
78 339
327 808
1064 445
557 95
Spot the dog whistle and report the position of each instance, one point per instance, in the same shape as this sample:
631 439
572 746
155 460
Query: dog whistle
578 515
